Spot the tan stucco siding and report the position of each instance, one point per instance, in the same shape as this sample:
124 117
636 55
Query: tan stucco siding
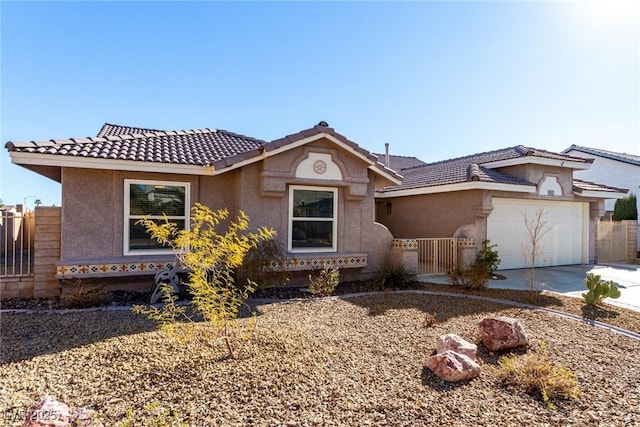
429 215
91 214
94 219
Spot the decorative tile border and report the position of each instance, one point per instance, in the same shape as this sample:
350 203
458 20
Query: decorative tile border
320 262
405 244
68 271
467 243
110 269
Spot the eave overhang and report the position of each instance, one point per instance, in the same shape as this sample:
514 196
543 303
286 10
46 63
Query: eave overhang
462 186
576 165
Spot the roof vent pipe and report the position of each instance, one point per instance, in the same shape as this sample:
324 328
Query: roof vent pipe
386 154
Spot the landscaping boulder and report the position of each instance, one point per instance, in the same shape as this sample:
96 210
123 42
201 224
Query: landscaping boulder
501 333
453 367
458 344
49 412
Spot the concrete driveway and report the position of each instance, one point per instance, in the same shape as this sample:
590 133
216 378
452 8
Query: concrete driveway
569 280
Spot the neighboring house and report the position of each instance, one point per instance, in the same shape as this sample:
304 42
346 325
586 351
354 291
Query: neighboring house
619 169
315 188
488 195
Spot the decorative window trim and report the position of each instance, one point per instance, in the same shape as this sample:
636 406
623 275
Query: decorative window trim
334 220
549 186
127 214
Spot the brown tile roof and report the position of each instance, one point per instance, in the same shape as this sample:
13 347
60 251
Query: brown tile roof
201 147
399 163
580 185
109 129
621 157
470 168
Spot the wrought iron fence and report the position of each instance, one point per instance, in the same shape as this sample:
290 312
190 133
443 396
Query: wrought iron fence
17 231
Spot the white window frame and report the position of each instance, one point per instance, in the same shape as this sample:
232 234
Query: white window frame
128 216
334 220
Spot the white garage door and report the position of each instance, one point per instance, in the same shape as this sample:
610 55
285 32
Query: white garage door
565 243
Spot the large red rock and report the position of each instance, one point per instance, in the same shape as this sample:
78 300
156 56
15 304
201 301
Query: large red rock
501 333
48 412
453 367
456 343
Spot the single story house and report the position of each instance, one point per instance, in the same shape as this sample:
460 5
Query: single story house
619 169
330 200
487 196
316 188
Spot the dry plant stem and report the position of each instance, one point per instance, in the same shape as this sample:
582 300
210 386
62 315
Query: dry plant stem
537 227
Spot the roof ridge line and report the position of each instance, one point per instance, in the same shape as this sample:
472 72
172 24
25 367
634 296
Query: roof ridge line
515 147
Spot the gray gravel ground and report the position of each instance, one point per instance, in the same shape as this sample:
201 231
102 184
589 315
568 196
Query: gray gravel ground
353 362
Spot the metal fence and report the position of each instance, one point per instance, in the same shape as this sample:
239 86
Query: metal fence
17 231
437 255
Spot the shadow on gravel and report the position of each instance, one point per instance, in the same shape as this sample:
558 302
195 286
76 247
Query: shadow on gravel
429 379
25 336
442 307
598 313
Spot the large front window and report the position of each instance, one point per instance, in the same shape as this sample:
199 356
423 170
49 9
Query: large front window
312 219
153 199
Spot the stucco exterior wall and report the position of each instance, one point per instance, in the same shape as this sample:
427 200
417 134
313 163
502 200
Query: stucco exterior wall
93 206
430 215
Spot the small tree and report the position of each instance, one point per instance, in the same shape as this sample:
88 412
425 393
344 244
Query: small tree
212 259
625 208
537 227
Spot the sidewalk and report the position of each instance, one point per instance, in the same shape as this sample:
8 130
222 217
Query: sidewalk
569 280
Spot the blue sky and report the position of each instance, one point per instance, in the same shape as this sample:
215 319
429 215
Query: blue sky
434 79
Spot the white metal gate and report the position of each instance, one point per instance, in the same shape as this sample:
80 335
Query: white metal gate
437 256
612 241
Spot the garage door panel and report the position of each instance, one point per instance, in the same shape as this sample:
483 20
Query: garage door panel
562 244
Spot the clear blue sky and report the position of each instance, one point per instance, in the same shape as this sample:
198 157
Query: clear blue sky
434 79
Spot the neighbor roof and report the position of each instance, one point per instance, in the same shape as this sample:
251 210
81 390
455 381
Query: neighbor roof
621 157
582 186
399 163
186 151
480 168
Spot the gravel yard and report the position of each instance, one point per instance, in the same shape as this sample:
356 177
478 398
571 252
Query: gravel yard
318 363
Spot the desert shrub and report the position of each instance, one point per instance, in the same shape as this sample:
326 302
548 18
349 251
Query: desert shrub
85 293
488 257
430 320
475 277
324 282
536 374
598 289
625 209
213 258
256 265
396 276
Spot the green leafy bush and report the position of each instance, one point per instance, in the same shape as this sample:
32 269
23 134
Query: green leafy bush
599 290
213 258
538 375
488 257
397 276
324 282
625 209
